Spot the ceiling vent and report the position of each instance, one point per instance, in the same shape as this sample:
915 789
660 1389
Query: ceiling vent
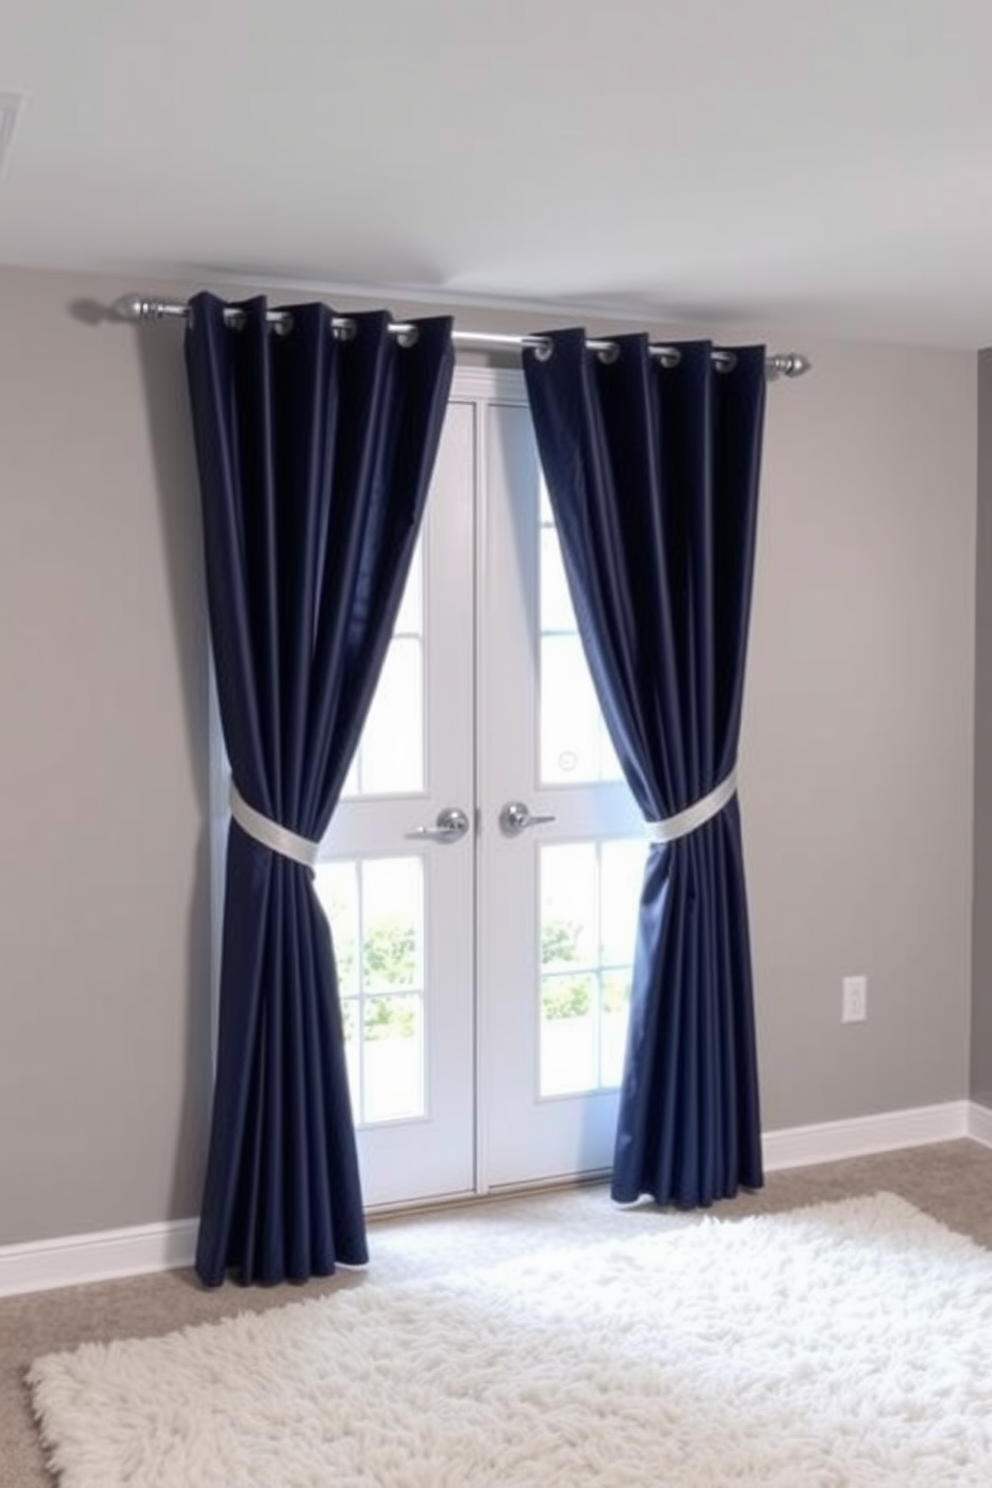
10 104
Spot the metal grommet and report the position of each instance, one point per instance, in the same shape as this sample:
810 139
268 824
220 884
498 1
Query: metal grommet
608 354
408 336
544 351
284 324
344 330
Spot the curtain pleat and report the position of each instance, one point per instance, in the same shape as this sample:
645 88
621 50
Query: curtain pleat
315 455
652 472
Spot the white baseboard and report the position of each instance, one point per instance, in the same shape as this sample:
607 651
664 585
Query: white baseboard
74 1260
103 1256
980 1123
799 1146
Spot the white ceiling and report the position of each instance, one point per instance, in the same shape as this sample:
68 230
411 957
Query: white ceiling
819 165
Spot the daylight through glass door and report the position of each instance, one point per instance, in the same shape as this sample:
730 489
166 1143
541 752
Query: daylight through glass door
483 870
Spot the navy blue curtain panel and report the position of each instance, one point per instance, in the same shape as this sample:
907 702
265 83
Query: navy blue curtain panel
652 472
314 454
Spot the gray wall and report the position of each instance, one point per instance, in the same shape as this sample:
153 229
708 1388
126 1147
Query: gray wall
981 1034
858 730
856 776
104 909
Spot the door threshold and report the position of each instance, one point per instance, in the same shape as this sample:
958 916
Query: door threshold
458 1202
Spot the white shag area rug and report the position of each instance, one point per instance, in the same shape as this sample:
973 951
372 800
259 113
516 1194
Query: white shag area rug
846 1344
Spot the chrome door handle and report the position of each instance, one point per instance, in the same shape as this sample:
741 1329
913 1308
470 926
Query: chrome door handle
516 817
450 824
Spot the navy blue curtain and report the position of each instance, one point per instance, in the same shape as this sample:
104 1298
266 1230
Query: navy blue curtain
315 456
652 473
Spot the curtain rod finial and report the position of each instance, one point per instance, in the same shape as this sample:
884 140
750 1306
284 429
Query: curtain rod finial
789 364
137 307
130 307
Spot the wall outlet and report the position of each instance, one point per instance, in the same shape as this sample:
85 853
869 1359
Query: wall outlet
854 999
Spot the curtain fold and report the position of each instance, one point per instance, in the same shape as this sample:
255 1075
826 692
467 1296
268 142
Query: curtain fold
315 455
652 472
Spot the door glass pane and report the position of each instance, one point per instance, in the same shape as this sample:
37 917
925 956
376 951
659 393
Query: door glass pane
590 893
375 907
555 600
389 759
621 880
392 1055
574 744
410 620
622 865
569 1060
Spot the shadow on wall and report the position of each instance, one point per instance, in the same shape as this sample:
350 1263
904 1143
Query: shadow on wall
171 436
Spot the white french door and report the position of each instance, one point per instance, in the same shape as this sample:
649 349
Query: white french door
483 869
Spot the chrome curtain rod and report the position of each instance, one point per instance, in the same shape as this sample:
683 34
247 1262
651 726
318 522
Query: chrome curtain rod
136 307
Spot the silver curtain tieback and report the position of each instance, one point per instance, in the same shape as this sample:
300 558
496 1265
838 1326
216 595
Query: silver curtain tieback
697 814
270 834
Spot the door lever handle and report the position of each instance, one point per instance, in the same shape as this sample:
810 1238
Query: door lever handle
450 824
517 816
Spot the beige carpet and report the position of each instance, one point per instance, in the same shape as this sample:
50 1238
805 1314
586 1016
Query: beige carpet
952 1181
